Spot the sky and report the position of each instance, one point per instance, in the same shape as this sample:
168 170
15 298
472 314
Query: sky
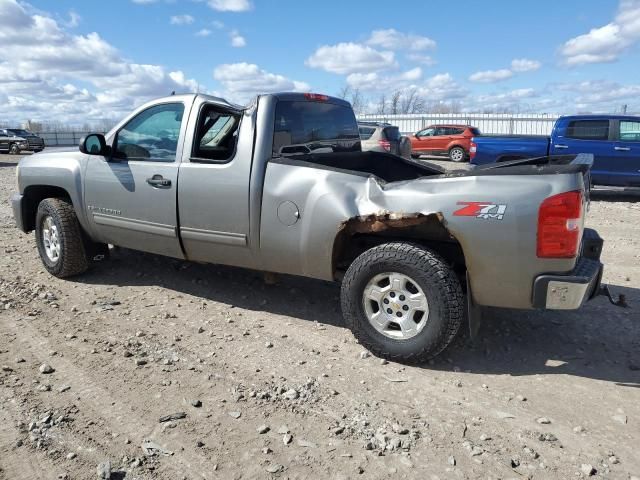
76 62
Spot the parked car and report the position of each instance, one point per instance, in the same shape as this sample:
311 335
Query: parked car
383 137
451 140
614 141
406 240
12 143
33 142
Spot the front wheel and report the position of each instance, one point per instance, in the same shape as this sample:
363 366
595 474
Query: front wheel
14 149
457 154
402 302
59 238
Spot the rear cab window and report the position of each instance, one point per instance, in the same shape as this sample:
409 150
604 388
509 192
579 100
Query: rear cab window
588 129
307 126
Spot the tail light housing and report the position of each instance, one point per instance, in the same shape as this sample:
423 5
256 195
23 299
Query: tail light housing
386 144
473 148
559 225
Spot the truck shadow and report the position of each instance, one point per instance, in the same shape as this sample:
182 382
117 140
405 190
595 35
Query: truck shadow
599 341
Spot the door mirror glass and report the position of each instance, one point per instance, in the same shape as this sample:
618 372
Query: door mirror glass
94 144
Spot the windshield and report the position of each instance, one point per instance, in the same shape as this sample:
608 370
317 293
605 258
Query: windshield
314 127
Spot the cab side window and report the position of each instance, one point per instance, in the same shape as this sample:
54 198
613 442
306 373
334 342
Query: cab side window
216 134
588 129
152 135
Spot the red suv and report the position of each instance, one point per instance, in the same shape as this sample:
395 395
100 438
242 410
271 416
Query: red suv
453 140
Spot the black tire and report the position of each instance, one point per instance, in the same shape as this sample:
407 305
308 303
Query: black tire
457 154
438 282
72 259
415 155
14 149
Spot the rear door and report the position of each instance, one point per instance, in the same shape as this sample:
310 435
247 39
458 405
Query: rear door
131 198
625 168
588 136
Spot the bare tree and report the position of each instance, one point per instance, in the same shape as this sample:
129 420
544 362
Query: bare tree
381 107
394 102
354 96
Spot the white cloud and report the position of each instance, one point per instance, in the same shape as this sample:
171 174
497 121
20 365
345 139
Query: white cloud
373 81
242 81
237 40
74 20
426 60
441 88
230 5
346 58
524 65
218 24
606 43
41 65
144 2
491 76
391 39
181 20
204 32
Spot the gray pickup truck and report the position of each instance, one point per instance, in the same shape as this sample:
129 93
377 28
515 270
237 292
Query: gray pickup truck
282 186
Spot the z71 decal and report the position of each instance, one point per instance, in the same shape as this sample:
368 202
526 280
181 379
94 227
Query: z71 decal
483 210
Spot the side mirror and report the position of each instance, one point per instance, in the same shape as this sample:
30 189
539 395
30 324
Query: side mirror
94 144
416 135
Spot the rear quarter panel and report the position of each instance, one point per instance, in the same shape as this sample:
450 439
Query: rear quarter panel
500 254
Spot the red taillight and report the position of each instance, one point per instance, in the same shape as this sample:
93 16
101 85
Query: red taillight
473 148
316 97
559 224
386 144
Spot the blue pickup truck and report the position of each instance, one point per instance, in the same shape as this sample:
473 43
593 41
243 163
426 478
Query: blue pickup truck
614 140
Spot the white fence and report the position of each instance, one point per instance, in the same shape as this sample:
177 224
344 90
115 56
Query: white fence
504 124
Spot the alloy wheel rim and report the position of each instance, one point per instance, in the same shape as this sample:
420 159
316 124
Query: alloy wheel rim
395 305
51 239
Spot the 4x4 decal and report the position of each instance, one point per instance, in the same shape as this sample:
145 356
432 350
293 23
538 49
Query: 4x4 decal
483 210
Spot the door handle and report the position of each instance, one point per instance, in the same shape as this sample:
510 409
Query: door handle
158 181
561 146
622 149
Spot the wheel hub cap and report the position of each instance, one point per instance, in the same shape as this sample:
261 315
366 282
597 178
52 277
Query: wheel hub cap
395 305
51 239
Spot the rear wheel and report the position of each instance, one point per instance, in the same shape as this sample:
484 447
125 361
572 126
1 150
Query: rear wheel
402 302
457 154
415 155
59 238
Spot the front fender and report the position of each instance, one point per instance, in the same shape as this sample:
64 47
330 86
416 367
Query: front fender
49 174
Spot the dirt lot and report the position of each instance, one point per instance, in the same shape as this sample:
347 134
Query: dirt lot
273 385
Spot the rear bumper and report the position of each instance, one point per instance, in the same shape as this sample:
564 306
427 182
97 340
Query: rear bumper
18 205
569 291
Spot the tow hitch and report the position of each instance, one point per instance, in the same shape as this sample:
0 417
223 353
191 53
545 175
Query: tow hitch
620 302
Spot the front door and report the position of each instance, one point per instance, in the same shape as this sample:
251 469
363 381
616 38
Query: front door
131 197
625 170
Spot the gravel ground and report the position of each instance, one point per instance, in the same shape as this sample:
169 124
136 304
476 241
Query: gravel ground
153 368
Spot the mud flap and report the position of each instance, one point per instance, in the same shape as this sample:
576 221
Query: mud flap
474 313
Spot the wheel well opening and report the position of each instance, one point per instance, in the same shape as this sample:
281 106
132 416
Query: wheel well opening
33 195
362 233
